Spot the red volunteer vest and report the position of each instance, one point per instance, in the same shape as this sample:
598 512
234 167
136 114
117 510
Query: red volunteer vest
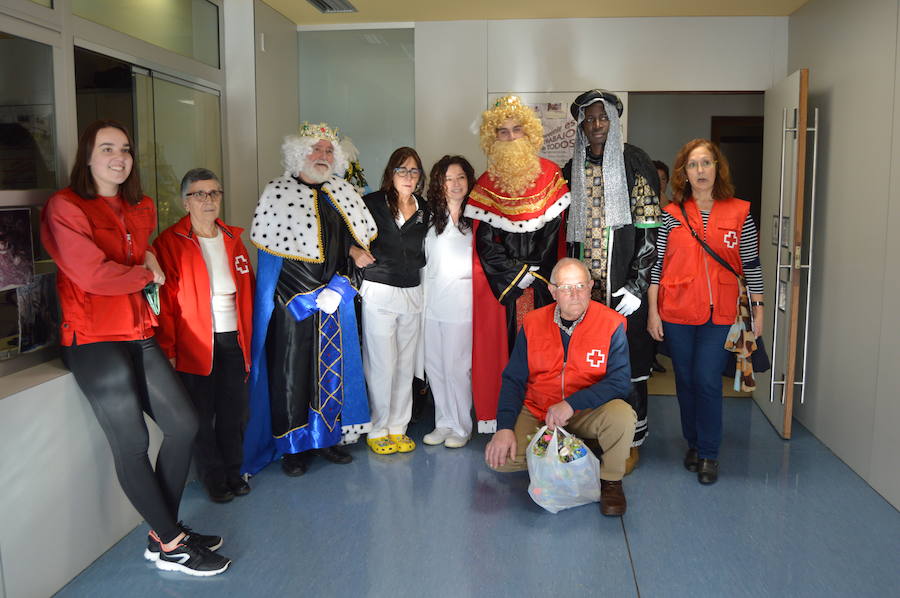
87 317
550 379
691 279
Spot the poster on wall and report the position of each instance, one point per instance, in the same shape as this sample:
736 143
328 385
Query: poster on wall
559 125
38 313
16 257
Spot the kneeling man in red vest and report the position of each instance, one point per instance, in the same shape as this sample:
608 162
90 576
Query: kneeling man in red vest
569 368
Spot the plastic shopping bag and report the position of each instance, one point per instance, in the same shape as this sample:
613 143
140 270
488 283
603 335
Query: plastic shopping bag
561 478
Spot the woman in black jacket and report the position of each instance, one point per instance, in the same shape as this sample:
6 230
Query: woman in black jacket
392 300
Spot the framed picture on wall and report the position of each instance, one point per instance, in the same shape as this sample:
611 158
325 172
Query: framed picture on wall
16 257
38 313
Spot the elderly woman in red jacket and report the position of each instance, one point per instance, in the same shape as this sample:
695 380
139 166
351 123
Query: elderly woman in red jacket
97 230
205 327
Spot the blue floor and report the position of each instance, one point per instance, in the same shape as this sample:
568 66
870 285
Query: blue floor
785 519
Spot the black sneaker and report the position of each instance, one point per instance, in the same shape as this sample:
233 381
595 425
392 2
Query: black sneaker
192 558
207 542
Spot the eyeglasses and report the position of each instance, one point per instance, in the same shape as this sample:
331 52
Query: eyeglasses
706 163
214 195
571 288
407 172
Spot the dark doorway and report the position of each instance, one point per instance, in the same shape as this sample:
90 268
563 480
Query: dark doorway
660 123
741 140
103 89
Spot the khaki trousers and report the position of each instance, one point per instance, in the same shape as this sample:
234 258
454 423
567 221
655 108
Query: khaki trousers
610 424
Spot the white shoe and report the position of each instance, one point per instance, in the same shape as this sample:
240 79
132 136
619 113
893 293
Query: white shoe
437 436
455 441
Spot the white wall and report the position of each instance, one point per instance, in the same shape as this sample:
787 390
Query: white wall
361 80
451 89
854 349
61 505
277 90
239 134
637 54
458 63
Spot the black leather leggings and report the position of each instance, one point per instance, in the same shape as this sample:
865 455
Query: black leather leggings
122 380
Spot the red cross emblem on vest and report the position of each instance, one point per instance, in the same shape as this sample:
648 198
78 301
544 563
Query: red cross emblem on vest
731 239
596 358
241 264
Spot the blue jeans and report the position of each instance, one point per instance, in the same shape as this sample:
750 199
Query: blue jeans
698 356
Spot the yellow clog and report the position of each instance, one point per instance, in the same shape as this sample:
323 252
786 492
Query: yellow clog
382 445
403 442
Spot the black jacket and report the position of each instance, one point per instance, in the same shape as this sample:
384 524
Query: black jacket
633 255
399 251
634 248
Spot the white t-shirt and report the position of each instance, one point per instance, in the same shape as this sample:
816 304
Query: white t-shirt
221 283
448 274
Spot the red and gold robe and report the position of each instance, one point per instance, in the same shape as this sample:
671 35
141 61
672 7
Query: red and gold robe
512 236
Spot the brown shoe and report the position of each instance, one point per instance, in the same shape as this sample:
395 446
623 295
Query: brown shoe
612 498
631 462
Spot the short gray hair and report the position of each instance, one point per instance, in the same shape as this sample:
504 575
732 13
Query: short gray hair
197 174
568 261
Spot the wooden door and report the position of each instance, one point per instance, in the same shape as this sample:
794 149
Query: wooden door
781 244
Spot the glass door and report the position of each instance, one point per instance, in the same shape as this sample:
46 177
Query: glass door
178 127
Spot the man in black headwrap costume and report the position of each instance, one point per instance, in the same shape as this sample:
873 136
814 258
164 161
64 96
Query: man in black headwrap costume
612 225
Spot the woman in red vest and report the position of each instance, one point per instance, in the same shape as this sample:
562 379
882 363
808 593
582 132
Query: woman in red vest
97 230
693 298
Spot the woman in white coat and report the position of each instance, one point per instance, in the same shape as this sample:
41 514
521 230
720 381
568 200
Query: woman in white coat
448 302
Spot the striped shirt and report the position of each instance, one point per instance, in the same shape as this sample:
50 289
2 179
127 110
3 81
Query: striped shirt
749 249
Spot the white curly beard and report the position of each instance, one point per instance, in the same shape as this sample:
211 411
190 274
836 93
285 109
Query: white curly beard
310 174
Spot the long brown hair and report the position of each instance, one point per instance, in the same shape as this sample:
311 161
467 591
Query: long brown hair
723 188
437 200
82 181
387 180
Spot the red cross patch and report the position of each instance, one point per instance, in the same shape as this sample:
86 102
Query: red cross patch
731 239
241 264
596 358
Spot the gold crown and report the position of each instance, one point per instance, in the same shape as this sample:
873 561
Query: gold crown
319 131
508 101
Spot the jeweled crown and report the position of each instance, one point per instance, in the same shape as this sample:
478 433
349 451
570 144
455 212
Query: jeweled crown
319 131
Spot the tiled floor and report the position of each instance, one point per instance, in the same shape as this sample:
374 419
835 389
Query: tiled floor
785 519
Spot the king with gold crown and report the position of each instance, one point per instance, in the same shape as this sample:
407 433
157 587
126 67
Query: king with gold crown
307 394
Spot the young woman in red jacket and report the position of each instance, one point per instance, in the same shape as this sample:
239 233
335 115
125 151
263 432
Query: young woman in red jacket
97 230
205 326
693 298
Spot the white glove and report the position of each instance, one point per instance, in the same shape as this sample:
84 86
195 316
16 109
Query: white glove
528 278
328 301
629 303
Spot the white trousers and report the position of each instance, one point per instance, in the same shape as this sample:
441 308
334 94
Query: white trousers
389 359
448 364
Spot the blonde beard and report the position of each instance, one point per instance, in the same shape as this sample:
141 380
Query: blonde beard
513 165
